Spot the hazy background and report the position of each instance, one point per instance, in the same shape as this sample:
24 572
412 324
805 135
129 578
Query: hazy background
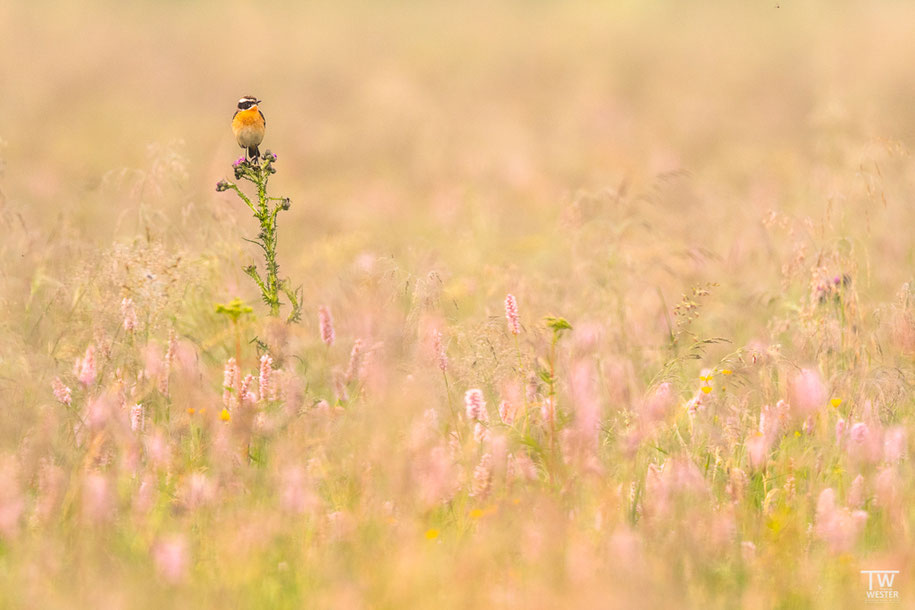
403 125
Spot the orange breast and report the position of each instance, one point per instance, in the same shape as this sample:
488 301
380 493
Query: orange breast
247 118
248 126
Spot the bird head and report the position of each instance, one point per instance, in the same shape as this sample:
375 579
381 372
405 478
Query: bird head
249 101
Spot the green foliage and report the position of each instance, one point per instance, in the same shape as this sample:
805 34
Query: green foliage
234 309
557 324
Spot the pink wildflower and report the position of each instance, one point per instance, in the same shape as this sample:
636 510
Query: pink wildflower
855 496
264 386
511 313
98 503
506 412
475 404
859 432
197 491
806 392
230 378
170 557
657 405
482 478
758 450
438 347
136 418
894 444
783 413
865 443
480 433
695 404
835 525
520 467
840 429
355 362
326 322
887 488
246 394
808 425
62 393
84 369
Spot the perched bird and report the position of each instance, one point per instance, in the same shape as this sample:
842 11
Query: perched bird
248 125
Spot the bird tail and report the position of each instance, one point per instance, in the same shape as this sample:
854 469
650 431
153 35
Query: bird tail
253 152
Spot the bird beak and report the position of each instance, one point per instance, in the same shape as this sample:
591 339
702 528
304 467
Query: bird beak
258 102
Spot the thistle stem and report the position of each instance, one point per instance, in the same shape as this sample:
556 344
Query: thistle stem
265 210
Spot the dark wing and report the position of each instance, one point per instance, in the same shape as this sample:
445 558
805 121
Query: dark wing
263 118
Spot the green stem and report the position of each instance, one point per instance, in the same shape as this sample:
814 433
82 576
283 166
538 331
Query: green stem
266 213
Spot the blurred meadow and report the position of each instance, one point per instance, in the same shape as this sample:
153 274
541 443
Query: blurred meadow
717 197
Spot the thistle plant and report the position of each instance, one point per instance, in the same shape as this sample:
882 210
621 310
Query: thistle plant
265 209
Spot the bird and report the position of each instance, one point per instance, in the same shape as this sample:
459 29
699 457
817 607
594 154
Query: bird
248 125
